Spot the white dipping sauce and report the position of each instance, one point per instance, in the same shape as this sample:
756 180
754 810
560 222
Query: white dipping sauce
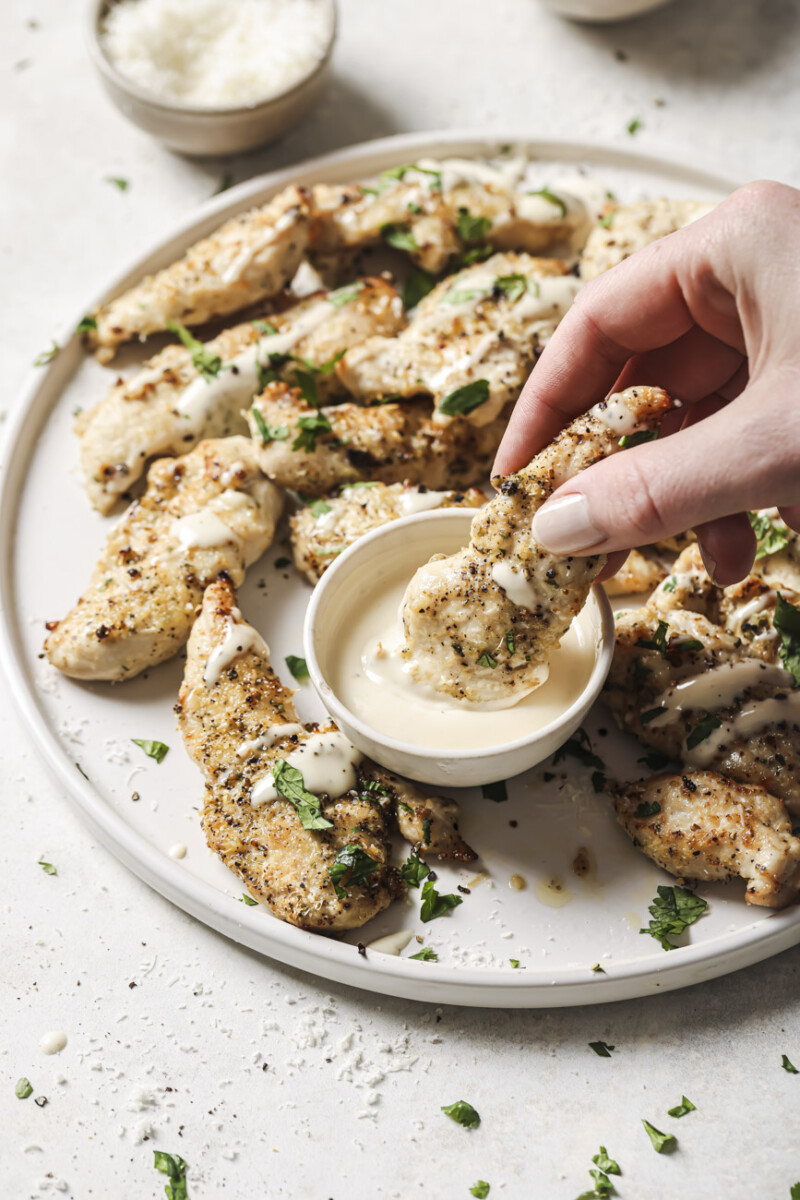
53 1042
384 696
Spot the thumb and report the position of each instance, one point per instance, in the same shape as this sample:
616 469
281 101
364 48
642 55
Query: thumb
728 462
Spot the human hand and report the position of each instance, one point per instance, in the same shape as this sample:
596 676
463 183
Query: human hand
712 314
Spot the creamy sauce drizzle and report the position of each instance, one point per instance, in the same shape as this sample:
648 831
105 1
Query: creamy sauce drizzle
327 762
268 739
515 584
177 851
615 414
203 529
53 1042
392 943
416 502
239 637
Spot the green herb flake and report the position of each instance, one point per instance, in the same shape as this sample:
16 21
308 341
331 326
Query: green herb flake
646 809
471 229
515 963
398 235
298 666
658 641
156 750
795 1192
634 126
598 970
669 584
497 791
318 508
356 864
602 1049
225 182
486 660
606 1164
416 287
771 536
607 220
248 900
787 622
414 870
663 1143
23 1089
434 905
46 356
510 642
344 295
204 361
480 1189
265 327
515 286
579 746
465 399
310 429
651 714
672 911
289 783
629 440
86 324
119 182
175 1167
269 433
703 729
425 955
462 1112
788 1066
681 1110
47 867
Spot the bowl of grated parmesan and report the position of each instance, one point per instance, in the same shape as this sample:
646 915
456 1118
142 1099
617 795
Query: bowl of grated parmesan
212 77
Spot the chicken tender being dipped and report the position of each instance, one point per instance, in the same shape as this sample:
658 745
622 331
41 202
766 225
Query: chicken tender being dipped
295 811
210 511
481 625
190 392
703 826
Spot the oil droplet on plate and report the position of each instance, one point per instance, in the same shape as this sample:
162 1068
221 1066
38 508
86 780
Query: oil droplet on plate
552 892
517 883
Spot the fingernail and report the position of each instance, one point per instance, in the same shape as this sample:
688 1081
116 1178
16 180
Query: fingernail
565 526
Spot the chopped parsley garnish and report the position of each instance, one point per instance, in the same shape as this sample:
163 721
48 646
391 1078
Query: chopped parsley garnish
414 870
297 666
771 536
788 1066
669 584
688 644
468 258
510 642
356 864
46 356
398 235
269 433
551 198
605 1163
23 1089
602 1049
795 1192
515 963
480 1189
425 955
290 784
416 287
629 440
265 327
426 831
672 911
344 295
83 773
658 641
85 324
463 295
486 660
120 183
156 750
497 791
464 399
634 126
598 970
463 1112
47 867
663 1143
308 387
434 905
680 1110
514 286
225 182
651 714
580 747
703 729
248 900
787 622
174 1166
607 220
647 808
318 508
310 429
471 229
204 361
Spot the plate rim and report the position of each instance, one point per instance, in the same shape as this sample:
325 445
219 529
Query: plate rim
324 957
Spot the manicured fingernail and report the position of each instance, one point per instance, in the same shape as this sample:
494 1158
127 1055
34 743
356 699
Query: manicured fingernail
710 564
565 526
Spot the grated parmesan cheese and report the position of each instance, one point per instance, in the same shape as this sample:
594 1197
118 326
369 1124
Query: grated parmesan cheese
217 53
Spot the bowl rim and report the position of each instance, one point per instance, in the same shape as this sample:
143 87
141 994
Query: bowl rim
94 14
329 697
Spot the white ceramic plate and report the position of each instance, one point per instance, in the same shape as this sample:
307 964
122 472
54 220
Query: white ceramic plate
49 540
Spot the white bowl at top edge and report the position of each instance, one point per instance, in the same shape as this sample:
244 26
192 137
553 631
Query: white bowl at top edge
601 12
203 132
418 537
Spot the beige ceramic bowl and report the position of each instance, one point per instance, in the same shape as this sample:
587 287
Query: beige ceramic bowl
206 131
415 539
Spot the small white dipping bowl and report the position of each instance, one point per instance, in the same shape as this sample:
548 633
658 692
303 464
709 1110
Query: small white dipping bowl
199 131
414 540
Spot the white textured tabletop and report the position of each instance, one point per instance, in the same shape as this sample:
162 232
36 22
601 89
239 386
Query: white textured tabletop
267 1082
